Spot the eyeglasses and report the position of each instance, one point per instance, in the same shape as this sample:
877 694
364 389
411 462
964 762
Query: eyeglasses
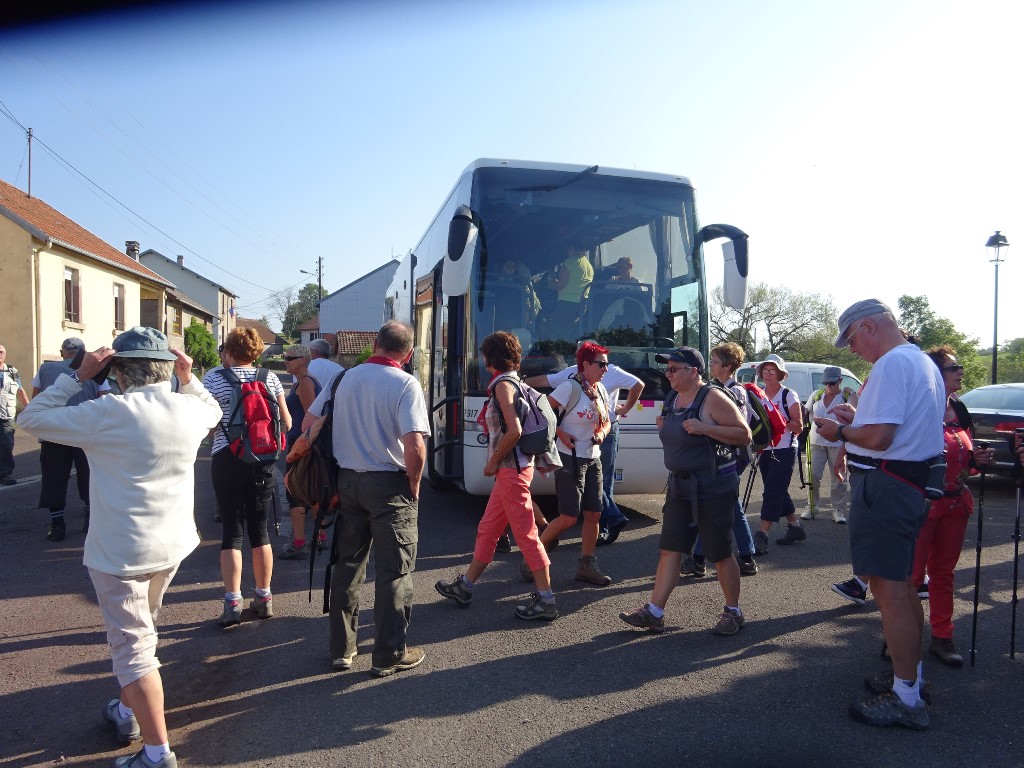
672 370
712 361
952 369
602 363
290 358
851 335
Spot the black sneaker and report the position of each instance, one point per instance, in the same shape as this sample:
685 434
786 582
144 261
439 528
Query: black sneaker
851 590
748 566
8 481
922 591
504 544
58 530
794 533
886 710
882 683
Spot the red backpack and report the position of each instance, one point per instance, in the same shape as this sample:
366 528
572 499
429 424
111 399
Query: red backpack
777 421
254 431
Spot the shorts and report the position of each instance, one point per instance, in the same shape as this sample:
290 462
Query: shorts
715 517
886 515
578 486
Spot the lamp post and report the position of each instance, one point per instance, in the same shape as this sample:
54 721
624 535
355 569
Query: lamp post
995 244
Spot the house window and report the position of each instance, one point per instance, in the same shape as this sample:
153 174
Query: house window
118 307
72 296
176 320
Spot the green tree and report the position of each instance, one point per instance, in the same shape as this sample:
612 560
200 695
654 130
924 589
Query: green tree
201 346
303 309
931 330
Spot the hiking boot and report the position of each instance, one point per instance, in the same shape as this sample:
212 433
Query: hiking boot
922 591
642 618
344 663
851 590
232 613
748 567
537 608
886 710
291 552
838 517
882 683
587 571
57 532
794 533
139 760
455 590
263 607
527 574
691 566
808 514
413 658
504 544
126 729
729 623
943 648
760 543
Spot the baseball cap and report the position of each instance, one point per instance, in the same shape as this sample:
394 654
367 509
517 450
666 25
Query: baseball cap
72 343
832 375
143 342
775 360
855 312
686 355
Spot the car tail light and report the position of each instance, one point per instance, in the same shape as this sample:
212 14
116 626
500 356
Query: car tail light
1009 426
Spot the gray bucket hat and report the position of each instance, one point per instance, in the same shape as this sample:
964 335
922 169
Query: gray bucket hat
148 343
832 375
855 312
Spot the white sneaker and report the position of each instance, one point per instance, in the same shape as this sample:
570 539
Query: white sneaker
808 515
839 517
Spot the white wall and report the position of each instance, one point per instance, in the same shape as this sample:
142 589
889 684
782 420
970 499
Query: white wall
358 306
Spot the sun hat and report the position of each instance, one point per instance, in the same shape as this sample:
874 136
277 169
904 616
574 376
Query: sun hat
142 342
775 360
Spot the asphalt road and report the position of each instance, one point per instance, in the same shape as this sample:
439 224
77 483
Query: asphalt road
495 691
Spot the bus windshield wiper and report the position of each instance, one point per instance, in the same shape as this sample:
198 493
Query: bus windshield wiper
552 187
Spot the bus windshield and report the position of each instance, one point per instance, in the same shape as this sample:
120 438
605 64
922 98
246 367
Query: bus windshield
563 256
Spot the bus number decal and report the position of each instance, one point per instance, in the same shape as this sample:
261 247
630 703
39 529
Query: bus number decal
471 413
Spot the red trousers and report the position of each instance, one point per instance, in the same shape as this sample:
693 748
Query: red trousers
937 553
510 504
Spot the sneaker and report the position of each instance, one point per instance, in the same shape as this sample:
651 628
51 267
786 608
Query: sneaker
748 567
504 544
794 533
537 608
8 481
943 648
322 545
808 514
552 546
139 760
413 658
839 517
232 613
57 532
882 683
587 570
886 710
729 623
760 543
455 590
693 567
851 590
642 618
291 552
526 573
615 530
922 591
126 729
263 607
344 663
602 537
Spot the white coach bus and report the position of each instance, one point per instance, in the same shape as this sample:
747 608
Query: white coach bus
487 262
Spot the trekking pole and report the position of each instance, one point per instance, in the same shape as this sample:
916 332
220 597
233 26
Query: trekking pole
273 504
750 484
1016 554
977 564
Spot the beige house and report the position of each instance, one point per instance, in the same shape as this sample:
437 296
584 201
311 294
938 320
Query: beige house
61 280
202 289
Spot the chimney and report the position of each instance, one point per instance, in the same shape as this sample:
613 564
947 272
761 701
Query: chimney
181 260
131 247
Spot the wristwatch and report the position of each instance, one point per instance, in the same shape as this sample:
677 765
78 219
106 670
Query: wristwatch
839 433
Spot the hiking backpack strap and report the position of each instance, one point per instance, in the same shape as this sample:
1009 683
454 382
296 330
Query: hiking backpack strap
231 378
325 500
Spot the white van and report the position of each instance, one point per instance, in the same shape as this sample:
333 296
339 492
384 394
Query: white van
803 378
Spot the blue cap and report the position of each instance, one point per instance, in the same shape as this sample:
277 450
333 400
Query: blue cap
142 342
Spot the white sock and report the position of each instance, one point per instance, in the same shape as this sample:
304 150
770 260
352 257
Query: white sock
906 690
264 593
155 753
656 612
734 609
123 712
466 582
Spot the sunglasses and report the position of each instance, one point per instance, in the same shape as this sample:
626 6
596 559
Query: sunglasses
602 363
952 369
289 358
674 369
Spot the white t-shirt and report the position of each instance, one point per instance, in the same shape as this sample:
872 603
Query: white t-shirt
325 371
819 410
787 394
905 388
580 421
614 380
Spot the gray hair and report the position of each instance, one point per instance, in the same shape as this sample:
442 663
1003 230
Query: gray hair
319 348
140 371
298 350
394 337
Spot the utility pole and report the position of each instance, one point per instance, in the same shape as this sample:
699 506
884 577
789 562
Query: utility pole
30 162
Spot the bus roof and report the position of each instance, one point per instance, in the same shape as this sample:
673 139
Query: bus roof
488 162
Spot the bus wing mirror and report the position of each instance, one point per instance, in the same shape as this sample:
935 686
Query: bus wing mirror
458 261
736 255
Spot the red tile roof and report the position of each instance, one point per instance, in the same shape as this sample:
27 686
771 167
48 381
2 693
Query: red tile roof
354 342
65 232
313 324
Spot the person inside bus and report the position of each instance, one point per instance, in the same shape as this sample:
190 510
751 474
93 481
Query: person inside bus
623 271
571 280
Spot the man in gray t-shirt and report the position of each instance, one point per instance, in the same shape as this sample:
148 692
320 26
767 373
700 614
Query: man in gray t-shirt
380 419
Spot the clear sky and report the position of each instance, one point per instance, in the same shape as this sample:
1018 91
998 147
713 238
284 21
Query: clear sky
868 149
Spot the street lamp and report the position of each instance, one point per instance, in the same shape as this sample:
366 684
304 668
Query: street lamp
995 244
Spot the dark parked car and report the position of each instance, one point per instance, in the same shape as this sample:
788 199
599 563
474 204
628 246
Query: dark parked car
997 409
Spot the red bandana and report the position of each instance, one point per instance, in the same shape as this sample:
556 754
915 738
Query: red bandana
381 360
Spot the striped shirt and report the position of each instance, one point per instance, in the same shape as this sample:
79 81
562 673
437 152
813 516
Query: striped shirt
220 388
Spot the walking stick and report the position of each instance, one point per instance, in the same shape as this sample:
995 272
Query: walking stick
810 474
1016 554
977 564
750 483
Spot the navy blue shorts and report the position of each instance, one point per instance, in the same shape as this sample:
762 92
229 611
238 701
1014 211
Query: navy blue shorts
886 514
